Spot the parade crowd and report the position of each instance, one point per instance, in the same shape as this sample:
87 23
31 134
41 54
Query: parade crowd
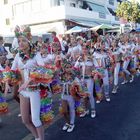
79 68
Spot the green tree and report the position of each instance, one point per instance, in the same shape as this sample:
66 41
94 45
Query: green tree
134 12
129 11
123 10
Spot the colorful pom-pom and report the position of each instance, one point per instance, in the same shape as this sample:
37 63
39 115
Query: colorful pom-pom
42 75
3 105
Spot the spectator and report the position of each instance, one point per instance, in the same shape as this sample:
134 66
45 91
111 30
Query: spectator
64 45
80 41
47 43
56 40
39 42
3 51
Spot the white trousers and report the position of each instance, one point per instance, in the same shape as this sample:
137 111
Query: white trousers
125 66
116 73
89 82
35 103
135 61
106 82
71 104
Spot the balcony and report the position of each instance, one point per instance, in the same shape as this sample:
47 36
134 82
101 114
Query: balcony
85 14
99 14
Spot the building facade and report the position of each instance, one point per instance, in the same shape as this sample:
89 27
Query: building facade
58 15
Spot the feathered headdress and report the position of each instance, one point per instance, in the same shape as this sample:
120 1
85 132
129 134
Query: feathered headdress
17 31
26 31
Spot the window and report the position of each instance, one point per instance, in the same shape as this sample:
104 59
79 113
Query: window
56 2
86 6
7 20
80 4
102 15
112 12
21 8
61 2
5 1
111 2
119 0
97 8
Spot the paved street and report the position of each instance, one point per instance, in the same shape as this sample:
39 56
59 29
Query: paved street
117 120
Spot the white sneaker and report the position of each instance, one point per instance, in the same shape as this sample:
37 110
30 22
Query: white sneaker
65 127
114 91
93 114
85 113
98 101
19 115
108 99
138 72
70 128
132 79
124 82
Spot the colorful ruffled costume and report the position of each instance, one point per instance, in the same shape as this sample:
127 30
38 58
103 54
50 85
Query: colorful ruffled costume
3 105
56 86
98 74
42 75
46 112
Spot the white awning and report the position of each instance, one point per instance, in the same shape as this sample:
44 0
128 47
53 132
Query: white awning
76 29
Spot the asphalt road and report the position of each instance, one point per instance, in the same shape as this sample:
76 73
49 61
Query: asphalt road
117 120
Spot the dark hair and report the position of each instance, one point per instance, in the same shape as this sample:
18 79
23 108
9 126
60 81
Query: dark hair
46 40
133 31
1 38
54 33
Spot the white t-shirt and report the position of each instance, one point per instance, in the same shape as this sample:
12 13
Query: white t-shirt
75 50
48 59
15 44
1 68
97 59
29 65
